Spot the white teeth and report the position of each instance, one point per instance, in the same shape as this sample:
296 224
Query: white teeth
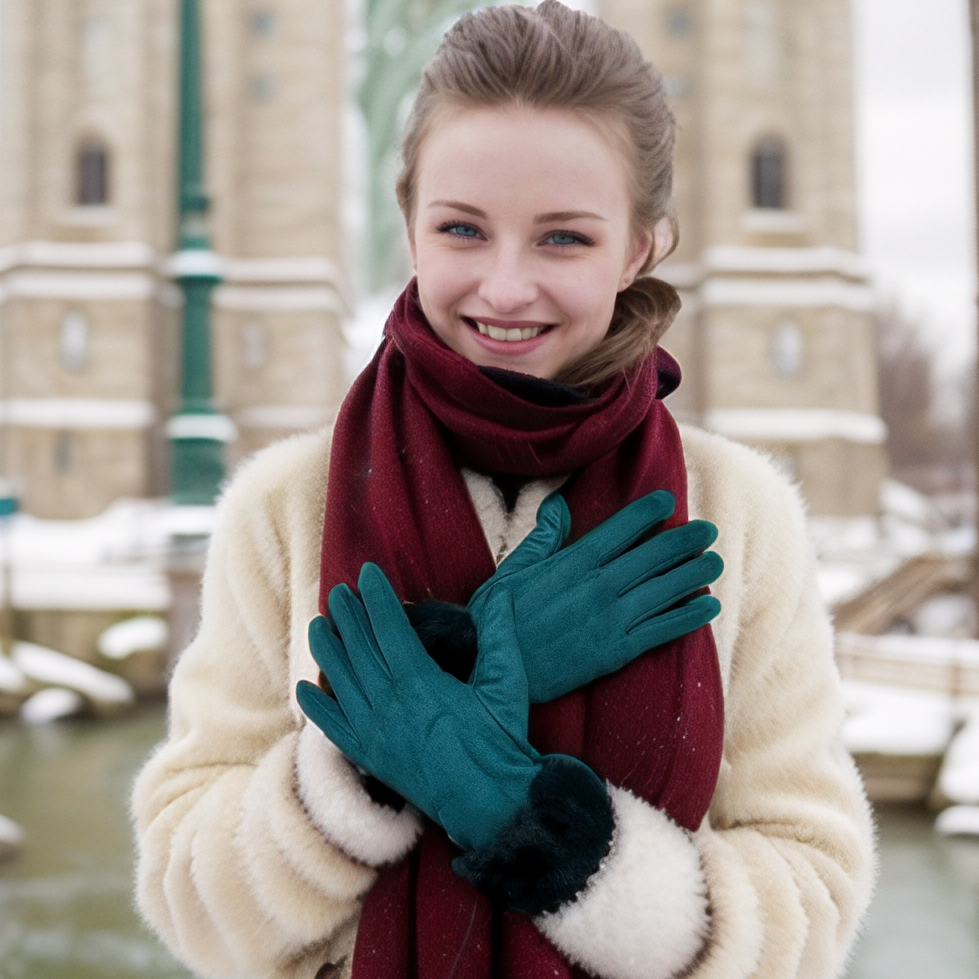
500 333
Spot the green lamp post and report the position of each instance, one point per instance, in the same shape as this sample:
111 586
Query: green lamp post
198 433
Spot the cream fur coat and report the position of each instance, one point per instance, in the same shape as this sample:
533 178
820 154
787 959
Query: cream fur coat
257 843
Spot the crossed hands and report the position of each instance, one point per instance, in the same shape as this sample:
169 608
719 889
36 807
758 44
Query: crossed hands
551 619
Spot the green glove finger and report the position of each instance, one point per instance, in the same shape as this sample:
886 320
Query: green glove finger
399 646
329 717
352 622
617 534
667 590
331 656
686 618
661 554
499 679
547 537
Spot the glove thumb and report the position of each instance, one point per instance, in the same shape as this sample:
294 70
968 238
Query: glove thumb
499 679
544 541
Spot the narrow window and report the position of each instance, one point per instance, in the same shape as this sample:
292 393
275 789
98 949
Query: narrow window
768 177
788 349
92 176
74 341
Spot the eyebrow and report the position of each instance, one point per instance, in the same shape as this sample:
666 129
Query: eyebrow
548 218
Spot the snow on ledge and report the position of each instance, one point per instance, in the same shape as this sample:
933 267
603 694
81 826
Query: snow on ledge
78 413
797 425
798 261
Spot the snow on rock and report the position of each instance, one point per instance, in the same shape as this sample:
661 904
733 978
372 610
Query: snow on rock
11 837
895 720
144 633
106 692
51 704
958 821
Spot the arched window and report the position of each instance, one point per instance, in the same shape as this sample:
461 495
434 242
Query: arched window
92 176
768 174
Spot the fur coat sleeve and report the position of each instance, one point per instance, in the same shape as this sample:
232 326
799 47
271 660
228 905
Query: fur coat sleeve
234 871
257 840
774 883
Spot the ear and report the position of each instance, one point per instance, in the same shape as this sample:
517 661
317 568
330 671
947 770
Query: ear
641 249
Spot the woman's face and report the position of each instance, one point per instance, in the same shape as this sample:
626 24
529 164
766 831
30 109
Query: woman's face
522 236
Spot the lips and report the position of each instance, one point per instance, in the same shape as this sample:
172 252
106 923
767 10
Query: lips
507 334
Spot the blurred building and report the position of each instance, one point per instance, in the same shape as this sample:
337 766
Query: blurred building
88 326
775 334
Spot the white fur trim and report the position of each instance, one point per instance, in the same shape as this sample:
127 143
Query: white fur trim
337 802
504 531
644 913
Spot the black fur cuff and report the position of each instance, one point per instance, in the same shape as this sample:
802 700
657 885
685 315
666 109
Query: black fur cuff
550 849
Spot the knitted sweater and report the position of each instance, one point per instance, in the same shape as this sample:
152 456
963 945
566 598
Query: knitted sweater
257 841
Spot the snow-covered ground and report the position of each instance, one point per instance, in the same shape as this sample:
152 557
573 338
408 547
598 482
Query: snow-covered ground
853 553
115 561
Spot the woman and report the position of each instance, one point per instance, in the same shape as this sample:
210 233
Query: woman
628 824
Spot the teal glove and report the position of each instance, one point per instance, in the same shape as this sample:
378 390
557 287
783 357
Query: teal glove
591 608
458 751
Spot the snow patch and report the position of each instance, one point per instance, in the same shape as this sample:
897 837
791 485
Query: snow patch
49 666
51 704
143 633
958 821
896 721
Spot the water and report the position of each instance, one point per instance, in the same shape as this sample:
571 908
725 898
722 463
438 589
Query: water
66 901
66 907
924 923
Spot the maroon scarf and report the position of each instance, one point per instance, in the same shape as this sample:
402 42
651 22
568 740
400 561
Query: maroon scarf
416 414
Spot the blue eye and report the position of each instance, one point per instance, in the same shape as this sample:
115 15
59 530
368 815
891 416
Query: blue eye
566 238
459 230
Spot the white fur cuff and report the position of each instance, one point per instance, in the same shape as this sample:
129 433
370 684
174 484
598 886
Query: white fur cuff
338 803
644 913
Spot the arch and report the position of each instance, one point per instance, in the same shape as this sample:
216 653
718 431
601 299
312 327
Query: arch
92 174
769 174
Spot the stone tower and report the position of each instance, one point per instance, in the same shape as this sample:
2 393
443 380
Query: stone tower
775 334
88 331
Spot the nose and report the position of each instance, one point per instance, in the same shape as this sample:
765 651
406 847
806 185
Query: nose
507 283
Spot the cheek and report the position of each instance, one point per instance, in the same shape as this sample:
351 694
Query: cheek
591 297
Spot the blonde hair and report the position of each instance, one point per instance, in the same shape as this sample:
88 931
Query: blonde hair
550 57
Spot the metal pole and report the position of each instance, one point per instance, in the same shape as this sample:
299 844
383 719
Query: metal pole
974 20
198 433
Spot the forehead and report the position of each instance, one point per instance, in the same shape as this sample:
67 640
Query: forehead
547 159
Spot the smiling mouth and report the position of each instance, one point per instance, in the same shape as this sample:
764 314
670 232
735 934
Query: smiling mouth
507 335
